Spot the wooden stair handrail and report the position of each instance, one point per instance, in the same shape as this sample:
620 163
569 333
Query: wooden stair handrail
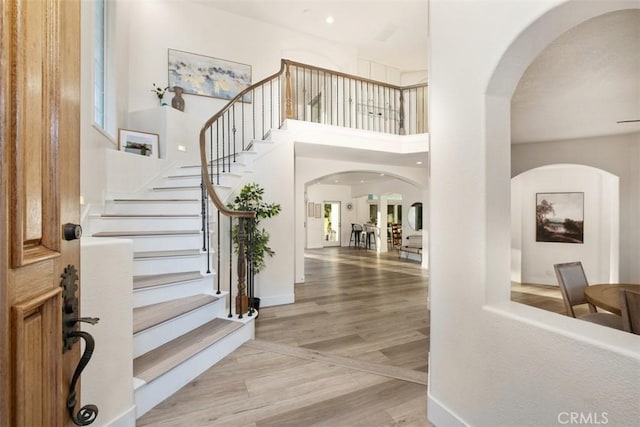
203 152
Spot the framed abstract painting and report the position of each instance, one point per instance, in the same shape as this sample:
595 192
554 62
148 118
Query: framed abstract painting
208 76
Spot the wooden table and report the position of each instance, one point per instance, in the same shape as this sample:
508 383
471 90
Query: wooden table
607 295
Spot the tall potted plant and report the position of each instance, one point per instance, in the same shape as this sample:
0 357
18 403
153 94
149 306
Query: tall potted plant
250 198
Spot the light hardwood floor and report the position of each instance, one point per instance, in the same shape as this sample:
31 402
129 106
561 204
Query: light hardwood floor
352 351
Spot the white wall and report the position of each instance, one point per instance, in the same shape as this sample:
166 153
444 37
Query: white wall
274 285
320 193
600 218
107 381
617 154
494 362
199 28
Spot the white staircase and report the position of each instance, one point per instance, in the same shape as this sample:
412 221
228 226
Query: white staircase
181 325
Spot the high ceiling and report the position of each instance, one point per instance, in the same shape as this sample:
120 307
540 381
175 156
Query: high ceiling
579 86
391 32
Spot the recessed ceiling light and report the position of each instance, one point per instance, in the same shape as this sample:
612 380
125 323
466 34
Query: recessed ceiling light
381 174
361 181
329 19
418 162
337 181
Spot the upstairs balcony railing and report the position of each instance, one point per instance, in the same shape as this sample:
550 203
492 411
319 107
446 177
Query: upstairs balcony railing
319 95
298 92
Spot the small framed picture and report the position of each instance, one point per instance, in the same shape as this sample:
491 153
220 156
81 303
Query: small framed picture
136 142
560 217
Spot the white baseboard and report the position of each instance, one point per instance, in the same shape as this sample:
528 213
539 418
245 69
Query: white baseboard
439 415
277 300
126 419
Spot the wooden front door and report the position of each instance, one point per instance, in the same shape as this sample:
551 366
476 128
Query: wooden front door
39 192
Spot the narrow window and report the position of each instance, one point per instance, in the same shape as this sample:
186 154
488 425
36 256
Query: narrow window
99 63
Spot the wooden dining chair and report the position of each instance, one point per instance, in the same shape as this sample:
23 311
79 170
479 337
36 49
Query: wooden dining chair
573 282
630 305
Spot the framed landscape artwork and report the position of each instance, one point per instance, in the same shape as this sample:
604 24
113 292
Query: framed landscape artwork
208 76
560 217
136 142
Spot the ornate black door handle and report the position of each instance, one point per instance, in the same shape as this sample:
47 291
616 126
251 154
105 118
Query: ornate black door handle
88 413
70 334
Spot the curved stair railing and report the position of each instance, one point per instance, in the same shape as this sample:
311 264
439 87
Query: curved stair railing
299 92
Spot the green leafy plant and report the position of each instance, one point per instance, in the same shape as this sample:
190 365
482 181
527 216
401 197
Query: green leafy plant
250 198
159 91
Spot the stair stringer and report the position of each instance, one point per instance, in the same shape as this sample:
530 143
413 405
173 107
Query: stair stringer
255 150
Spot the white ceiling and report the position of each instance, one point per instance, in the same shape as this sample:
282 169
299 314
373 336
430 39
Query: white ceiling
582 83
390 32
319 151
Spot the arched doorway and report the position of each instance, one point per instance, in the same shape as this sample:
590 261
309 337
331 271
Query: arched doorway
597 194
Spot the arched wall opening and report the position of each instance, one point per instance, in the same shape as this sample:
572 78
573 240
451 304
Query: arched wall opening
525 48
532 257
403 180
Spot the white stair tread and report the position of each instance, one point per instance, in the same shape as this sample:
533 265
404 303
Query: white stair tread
223 161
182 187
166 254
150 280
144 233
153 364
154 200
199 175
150 216
155 314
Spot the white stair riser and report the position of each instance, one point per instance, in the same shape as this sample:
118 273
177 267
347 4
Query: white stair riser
170 242
236 168
241 158
178 193
149 395
171 291
101 223
188 181
164 192
154 207
147 340
260 146
170 265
